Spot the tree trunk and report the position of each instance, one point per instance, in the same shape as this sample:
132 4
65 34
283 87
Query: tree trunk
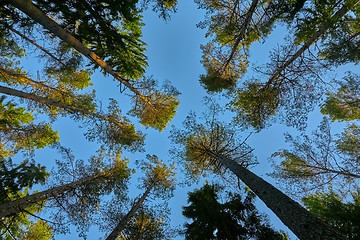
121 225
18 205
243 29
22 79
345 174
55 103
300 221
35 44
40 17
340 13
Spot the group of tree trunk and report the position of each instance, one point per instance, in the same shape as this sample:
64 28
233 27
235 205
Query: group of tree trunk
106 35
83 31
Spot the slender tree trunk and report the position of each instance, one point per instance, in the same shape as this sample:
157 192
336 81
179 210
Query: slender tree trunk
340 13
35 98
328 170
55 103
300 221
242 32
18 205
35 44
22 79
27 7
121 225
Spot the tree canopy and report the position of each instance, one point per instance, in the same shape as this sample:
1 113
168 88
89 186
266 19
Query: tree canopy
320 162
236 218
79 152
331 208
344 104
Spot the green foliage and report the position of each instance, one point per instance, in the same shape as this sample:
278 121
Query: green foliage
317 15
291 91
12 116
233 219
9 49
224 19
220 74
60 93
320 162
18 133
163 7
255 104
234 27
160 106
340 44
343 45
129 60
104 174
158 176
294 166
16 178
286 11
28 138
57 97
75 79
213 81
111 28
18 225
199 144
67 68
225 57
169 3
15 182
39 230
39 137
142 221
114 131
294 72
344 105
162 110
16 126
345 216
349 142
149 223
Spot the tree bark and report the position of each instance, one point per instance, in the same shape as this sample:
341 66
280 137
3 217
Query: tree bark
345 174
22 79
35 44
27 7
121 225
243 29
18 205
51 102
300 221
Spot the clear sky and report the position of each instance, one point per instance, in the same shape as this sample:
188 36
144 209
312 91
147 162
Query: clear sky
174 54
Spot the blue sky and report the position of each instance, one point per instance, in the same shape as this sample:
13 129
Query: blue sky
173 50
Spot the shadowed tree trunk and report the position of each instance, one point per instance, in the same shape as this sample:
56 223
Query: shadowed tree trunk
241 35
300 221
51 102
40 17
160 181
35 44
340 13
122 224
18 205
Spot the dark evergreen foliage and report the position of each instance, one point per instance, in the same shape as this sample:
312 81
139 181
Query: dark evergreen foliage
234 218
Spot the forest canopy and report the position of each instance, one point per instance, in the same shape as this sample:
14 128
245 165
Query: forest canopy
113 113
